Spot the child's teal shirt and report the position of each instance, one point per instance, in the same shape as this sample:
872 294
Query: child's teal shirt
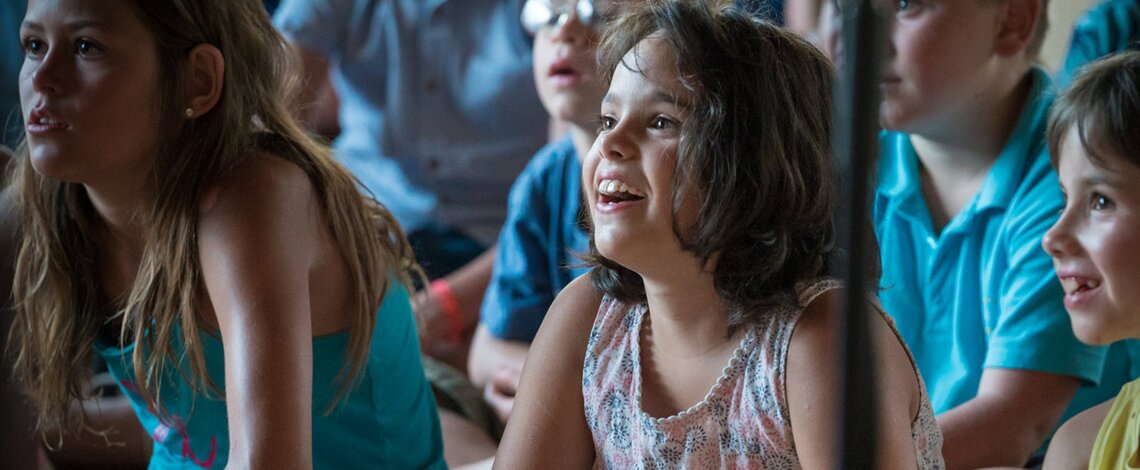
983 293
1111 26
389 420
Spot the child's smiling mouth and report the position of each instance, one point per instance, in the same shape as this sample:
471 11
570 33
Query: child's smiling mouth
614 191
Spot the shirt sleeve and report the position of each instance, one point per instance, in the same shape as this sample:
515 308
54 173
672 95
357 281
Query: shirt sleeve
1107 28
317 25
1032 330
520 291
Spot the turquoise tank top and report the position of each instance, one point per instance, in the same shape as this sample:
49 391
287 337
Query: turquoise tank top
389 419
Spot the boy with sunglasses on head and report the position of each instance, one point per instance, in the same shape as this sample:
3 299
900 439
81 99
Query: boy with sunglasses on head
542 235
965 193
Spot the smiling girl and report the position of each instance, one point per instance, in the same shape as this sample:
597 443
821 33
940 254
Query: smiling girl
703 337
1092 133
176 221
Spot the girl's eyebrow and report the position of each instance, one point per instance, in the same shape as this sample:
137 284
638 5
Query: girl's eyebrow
1095 181
72 25
662 97
657 97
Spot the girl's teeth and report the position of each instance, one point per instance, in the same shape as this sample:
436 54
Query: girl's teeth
1072 285
614 187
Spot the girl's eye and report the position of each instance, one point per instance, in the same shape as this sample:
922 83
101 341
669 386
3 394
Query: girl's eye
906 6
1099 202
606 123
87 48
34 47
660 123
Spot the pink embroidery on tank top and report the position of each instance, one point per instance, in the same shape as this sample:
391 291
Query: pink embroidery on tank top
162 431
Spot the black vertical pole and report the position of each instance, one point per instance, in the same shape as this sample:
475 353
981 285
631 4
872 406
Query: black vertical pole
855 149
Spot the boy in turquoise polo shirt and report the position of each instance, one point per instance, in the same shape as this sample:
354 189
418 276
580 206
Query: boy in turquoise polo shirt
965 193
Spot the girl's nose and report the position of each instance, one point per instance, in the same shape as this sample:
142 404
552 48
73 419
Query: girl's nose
616 143
1059 241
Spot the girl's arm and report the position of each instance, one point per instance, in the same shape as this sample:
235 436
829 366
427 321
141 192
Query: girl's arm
259 239
1072 446
548 425
813 388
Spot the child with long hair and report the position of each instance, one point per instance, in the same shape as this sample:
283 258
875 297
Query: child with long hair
704 337
177 221
1092 135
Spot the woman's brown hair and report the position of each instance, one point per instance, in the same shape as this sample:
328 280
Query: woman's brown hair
755 149
58 306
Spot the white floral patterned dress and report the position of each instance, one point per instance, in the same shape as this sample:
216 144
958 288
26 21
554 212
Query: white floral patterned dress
743 422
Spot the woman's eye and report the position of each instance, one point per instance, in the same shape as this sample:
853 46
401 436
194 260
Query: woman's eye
34 47
903 4
662 123
87 48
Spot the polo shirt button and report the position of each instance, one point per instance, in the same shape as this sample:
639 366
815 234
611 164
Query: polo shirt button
431 86
433 164
932 242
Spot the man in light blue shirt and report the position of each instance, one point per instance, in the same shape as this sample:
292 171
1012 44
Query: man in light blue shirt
438 111
438 114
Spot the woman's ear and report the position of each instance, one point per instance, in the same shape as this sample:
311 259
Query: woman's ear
206 71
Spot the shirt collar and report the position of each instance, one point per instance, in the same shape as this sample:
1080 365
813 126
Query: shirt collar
1025 145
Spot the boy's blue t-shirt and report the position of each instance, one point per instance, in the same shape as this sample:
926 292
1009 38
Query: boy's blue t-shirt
1111 26
388 420
538 245
983 293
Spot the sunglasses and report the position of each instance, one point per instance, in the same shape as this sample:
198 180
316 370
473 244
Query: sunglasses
538 14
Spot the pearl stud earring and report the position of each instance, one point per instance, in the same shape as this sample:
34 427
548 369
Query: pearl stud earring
189 112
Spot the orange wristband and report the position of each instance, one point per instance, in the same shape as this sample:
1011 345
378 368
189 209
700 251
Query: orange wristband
441 289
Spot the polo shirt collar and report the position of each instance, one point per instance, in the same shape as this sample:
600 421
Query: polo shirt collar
898 172
1025 144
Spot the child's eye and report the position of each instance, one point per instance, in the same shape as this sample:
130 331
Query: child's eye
87 48
661 122
906 6
34 47
606 123
1099 202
